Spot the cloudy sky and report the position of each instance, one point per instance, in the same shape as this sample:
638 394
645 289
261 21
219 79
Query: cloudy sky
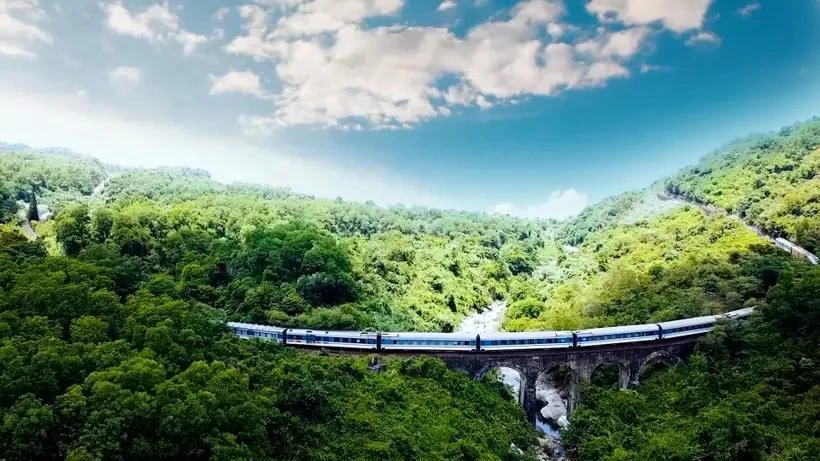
534 108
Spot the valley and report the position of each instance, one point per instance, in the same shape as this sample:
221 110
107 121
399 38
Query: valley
113 312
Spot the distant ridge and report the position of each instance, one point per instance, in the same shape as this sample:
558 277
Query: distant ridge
51 151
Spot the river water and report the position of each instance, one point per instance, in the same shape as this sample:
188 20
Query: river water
489 321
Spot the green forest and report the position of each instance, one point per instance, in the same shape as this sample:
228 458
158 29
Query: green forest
771 181
113 311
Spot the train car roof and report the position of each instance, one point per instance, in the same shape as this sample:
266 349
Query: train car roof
526 334
745 312
620 329
255 326
422 335
688 322
340 333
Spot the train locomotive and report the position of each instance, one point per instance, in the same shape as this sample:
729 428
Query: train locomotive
499 341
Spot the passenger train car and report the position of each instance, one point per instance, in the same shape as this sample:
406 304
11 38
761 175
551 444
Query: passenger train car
796 251
617 335
501 341
424 341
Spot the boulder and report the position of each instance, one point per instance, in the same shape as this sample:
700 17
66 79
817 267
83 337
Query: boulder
555 409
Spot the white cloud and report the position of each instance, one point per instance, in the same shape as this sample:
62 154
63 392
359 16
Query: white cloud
747 10
560 204
703 38
19 32
677 15
446 5
189 40
335 71
258 125
243 82
555 29
625 43
646 68
77 124
321 16
220 14
621 44
157 24
538 11
460 94
124 76
482 102
15 51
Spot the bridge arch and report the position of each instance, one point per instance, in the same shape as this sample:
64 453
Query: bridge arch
522 376
660 357
616 373
554 386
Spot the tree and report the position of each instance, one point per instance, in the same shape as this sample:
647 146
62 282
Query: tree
89 329
324 289
73 229
33 212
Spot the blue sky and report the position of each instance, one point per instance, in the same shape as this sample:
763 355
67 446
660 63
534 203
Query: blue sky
534 108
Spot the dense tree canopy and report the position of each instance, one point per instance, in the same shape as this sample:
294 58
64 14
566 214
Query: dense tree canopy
772 181
112 321
113 342
749 393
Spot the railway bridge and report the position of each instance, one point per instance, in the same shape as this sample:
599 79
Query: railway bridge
569 367
565 358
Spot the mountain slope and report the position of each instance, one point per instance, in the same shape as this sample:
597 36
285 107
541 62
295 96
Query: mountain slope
771 181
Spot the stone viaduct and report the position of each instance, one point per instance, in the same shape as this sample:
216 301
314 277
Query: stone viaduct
575 365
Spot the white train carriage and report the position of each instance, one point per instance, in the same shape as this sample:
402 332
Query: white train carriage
784 244
250 330
530 340
617 335
335 339
428 341
795 250
738 314
804 254
688 327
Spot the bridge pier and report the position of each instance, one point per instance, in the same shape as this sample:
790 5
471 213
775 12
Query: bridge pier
632 361
623 376
530 403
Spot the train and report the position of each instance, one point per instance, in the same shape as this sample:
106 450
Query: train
796 251
498 341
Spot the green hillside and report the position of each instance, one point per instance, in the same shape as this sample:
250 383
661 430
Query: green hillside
114 347
112 331
771 181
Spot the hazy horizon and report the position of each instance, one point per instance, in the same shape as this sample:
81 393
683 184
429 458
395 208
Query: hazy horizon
536 108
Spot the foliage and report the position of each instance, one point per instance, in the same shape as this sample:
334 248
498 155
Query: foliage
750 392
772 181
264 254
58 178
680 264
100 362
113 344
